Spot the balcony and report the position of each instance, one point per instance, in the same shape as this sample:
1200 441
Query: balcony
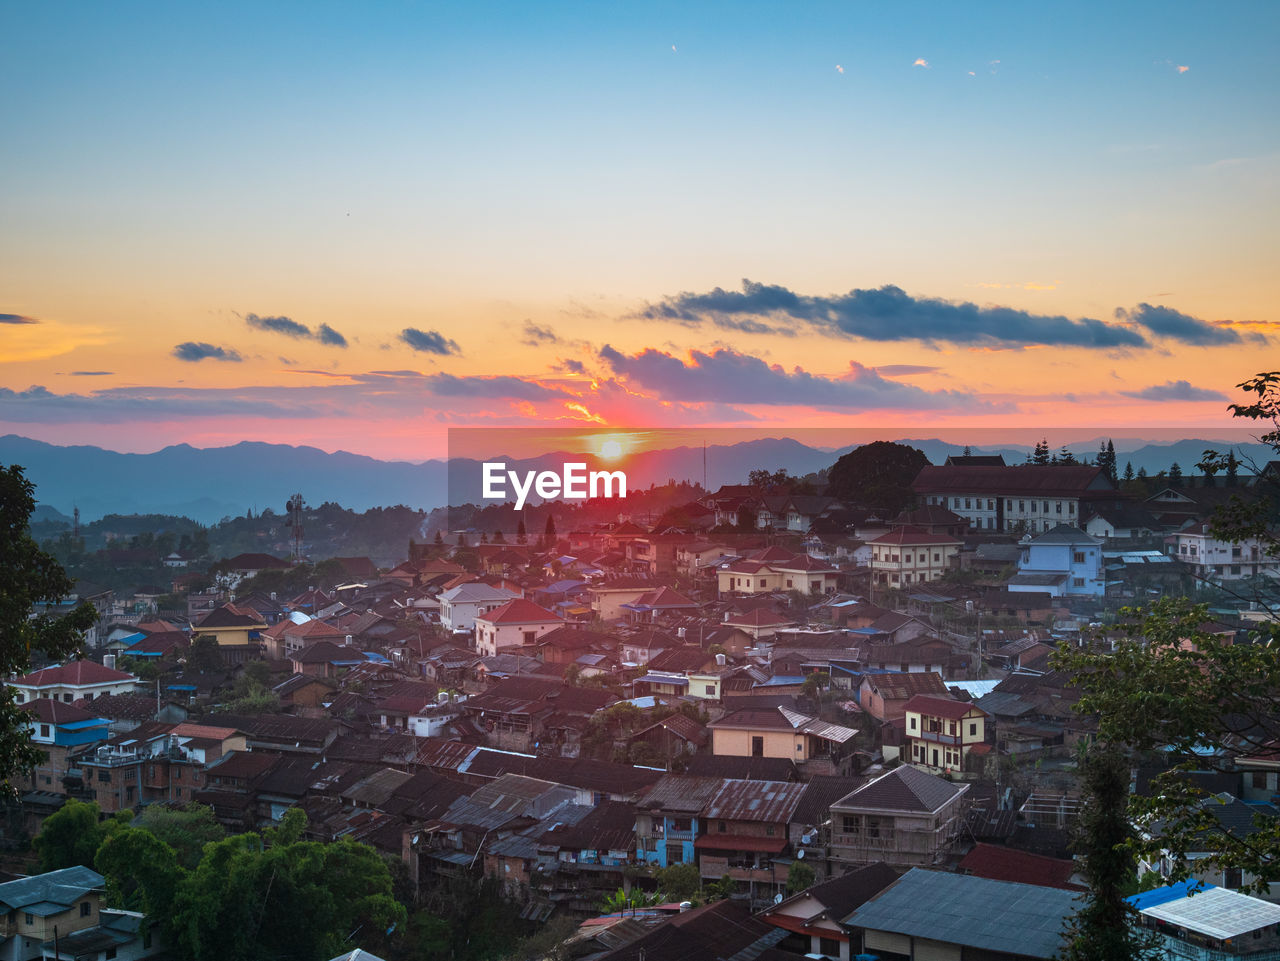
713 867
937 737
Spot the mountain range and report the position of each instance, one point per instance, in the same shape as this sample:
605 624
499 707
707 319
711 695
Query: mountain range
207 484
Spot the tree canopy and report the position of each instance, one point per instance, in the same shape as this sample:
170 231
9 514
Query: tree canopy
30 580
878 474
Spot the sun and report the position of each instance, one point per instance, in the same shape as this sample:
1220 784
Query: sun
611 448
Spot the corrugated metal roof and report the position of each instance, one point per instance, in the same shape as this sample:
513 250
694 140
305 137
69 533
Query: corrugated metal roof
766 801
1022 919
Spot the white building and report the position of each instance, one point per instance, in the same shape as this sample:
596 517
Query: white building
460 605
72 681
1211 559
1062 562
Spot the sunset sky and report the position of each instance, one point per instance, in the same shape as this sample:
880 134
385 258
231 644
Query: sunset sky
355 225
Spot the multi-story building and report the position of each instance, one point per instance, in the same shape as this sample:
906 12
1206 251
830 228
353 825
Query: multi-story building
73 681
461 605
942 732
516 623
905 817
57 728
1064 561
667 819
1029 497
912 555
1211 559
746 837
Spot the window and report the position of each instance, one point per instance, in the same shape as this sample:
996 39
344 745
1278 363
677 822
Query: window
911 721
768 830
1078 557
86 909
1022 505
1077 582
1046 507
973 729
757 746
722 827
991 504
710 690
44 730
1057 506
67 698
530 636
937 557
789 582
1071 507
968 505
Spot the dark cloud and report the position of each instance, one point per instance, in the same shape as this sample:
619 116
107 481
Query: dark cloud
17 319
324 334
92 373
890 314
1174 390
572 366
429 342
278 325
516 388
327 335
1175 325
727 376
535 336
193 351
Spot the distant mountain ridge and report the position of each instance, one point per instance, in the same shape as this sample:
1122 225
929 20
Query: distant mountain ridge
207 484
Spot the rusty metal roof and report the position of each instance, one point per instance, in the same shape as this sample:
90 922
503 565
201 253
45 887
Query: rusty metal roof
768 801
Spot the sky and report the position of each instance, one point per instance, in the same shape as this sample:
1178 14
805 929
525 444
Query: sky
354 226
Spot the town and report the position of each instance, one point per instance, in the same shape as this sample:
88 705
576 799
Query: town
792 717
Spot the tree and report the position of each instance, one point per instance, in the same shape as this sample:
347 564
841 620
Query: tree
800 877
1175 475
1128 471
31 581
522 536
203 655
186 830
549 532
878 474
1103 929
142 872
73 834
680 882
1041 455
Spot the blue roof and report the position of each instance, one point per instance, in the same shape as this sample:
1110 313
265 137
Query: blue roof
181 687
780 680
1170 892
132 639
375 657
78 725
664 679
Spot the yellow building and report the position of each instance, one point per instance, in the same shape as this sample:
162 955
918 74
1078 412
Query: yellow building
777 732
911 555
232 626
32 909
942 733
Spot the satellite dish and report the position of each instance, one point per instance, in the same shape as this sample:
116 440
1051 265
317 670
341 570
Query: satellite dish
800 855
777 898
806 838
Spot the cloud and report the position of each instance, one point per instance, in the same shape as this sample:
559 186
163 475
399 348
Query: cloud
327 335
569 365
324 334
1174 390
92 373
1175 325
921 62
17 319
890 314
193 351
839 69
535 336
1182 68
729 377
429 342
516 388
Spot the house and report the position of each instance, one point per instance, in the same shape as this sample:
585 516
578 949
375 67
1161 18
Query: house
1001 863
912 555
56 727
904 817
57 903
324 659
782 733
236 630
297 631
655 553
667 819
1200 922
127 711
609 596
1119 522
746 837
1214 561
814 917
692 559
885 696
72 681
662 600
760 623
941 732
776 569
516 623
936 914
459 606
1064 561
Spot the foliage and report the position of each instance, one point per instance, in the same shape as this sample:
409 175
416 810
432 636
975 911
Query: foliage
878 474
463 919
1102 930
815 684
73 834
621 900
720 890
800 877
1171 687
679 882
184 829
30 581
274 895
142 871
203 654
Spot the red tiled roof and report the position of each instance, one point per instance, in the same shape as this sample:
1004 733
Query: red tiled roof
1009 864
908 535
520 611
941 707
48 711
74 673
